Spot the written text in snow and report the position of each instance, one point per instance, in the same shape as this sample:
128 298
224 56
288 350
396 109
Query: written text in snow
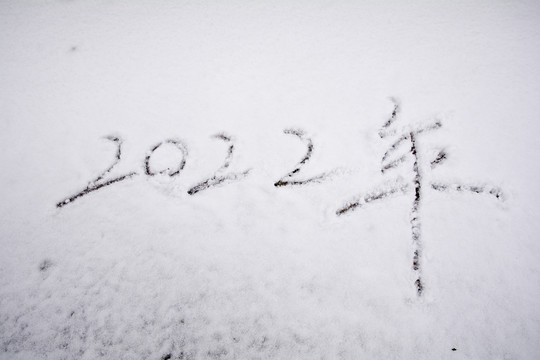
404 146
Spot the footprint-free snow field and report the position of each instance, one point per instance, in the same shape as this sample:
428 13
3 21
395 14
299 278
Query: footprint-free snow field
269 179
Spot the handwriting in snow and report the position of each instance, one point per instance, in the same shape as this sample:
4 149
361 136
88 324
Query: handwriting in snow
407 139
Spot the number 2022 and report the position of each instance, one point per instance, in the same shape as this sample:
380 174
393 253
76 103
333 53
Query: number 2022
220 176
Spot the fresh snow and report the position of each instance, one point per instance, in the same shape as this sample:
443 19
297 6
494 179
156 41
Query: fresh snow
232 97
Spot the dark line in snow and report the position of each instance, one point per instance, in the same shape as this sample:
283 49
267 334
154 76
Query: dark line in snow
383 132
88 190
415 217
178 144
217 179
393 164
285 180
93 185
439 159
476 189
369 198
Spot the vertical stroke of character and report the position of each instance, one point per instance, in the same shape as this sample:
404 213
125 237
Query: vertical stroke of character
408 139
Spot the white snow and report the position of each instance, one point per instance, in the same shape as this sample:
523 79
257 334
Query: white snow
141 269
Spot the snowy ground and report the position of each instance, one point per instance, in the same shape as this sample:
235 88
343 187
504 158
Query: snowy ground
142 269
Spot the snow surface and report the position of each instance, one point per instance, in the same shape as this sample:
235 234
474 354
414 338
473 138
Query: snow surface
140 269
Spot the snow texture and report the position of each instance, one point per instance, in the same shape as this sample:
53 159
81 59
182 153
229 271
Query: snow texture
269 179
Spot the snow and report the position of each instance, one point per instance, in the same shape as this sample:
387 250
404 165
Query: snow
140 269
